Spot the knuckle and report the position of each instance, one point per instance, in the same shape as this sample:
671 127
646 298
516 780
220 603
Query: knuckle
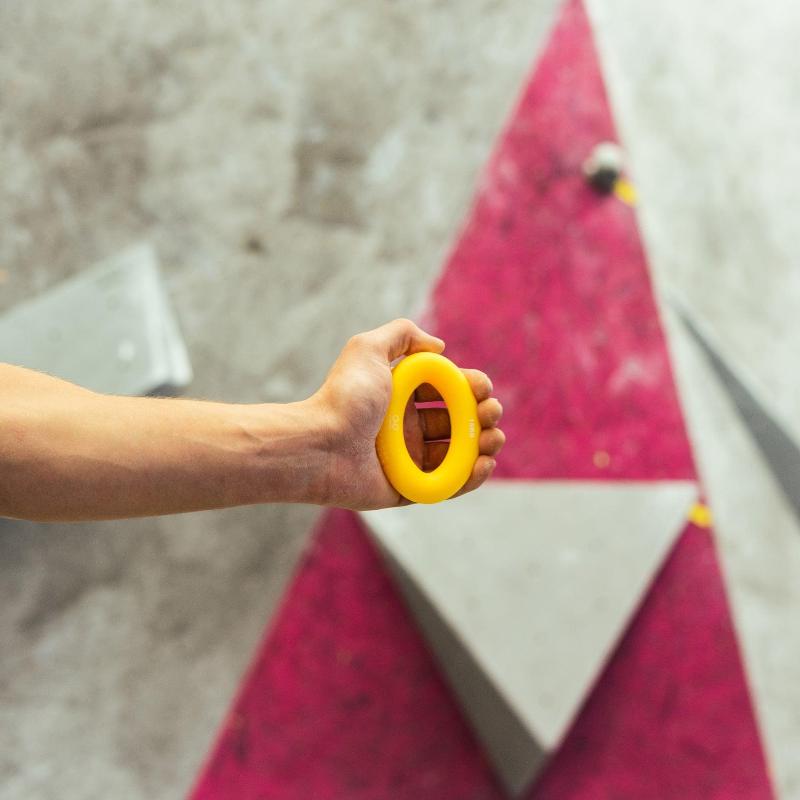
403 325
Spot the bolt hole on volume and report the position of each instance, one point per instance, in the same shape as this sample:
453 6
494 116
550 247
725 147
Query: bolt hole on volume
407 478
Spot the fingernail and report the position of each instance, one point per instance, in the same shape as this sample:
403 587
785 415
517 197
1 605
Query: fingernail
492 465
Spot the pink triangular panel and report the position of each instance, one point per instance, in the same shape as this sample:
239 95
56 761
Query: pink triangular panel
670 717
343 701
548 291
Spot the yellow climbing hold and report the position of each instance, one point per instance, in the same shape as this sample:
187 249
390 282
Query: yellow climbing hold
601 459
624 190
700 515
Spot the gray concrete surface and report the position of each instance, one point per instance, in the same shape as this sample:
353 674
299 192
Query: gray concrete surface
707 98
109 328
758 536
780 452
122 644
301 170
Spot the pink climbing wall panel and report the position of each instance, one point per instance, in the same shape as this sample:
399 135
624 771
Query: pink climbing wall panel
343 700
547 290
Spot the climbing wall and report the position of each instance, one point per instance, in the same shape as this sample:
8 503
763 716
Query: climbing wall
547 289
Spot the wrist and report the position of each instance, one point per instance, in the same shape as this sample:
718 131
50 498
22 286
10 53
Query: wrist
340 445
319 436
290 452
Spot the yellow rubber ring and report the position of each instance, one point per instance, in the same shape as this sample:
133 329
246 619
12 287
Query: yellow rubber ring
454 471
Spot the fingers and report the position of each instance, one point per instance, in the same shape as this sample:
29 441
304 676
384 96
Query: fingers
435 423
397 338
479 383
425 393
490 412
490 444
402 337
433 454
491 441
483 468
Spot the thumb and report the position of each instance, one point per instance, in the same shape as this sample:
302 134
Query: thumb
401 337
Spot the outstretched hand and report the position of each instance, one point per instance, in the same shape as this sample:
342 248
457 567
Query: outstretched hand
355 398
107 457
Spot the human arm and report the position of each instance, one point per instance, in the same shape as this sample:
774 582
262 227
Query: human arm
67 453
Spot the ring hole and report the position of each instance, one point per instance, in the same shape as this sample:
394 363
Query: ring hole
426 428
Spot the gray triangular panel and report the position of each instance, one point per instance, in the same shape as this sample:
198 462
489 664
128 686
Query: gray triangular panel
522 590
759 539
109 328
781 452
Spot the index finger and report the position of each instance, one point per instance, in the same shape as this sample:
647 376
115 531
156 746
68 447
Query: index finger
398 338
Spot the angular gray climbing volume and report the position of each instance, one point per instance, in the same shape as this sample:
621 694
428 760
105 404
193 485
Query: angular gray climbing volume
109 328
522 590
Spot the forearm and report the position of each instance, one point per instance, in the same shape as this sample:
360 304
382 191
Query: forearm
70 454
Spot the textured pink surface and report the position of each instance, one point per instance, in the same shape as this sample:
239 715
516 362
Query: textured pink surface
343 700
670 718
548 291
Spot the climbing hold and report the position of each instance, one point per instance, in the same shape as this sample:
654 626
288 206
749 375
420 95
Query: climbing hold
604 167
